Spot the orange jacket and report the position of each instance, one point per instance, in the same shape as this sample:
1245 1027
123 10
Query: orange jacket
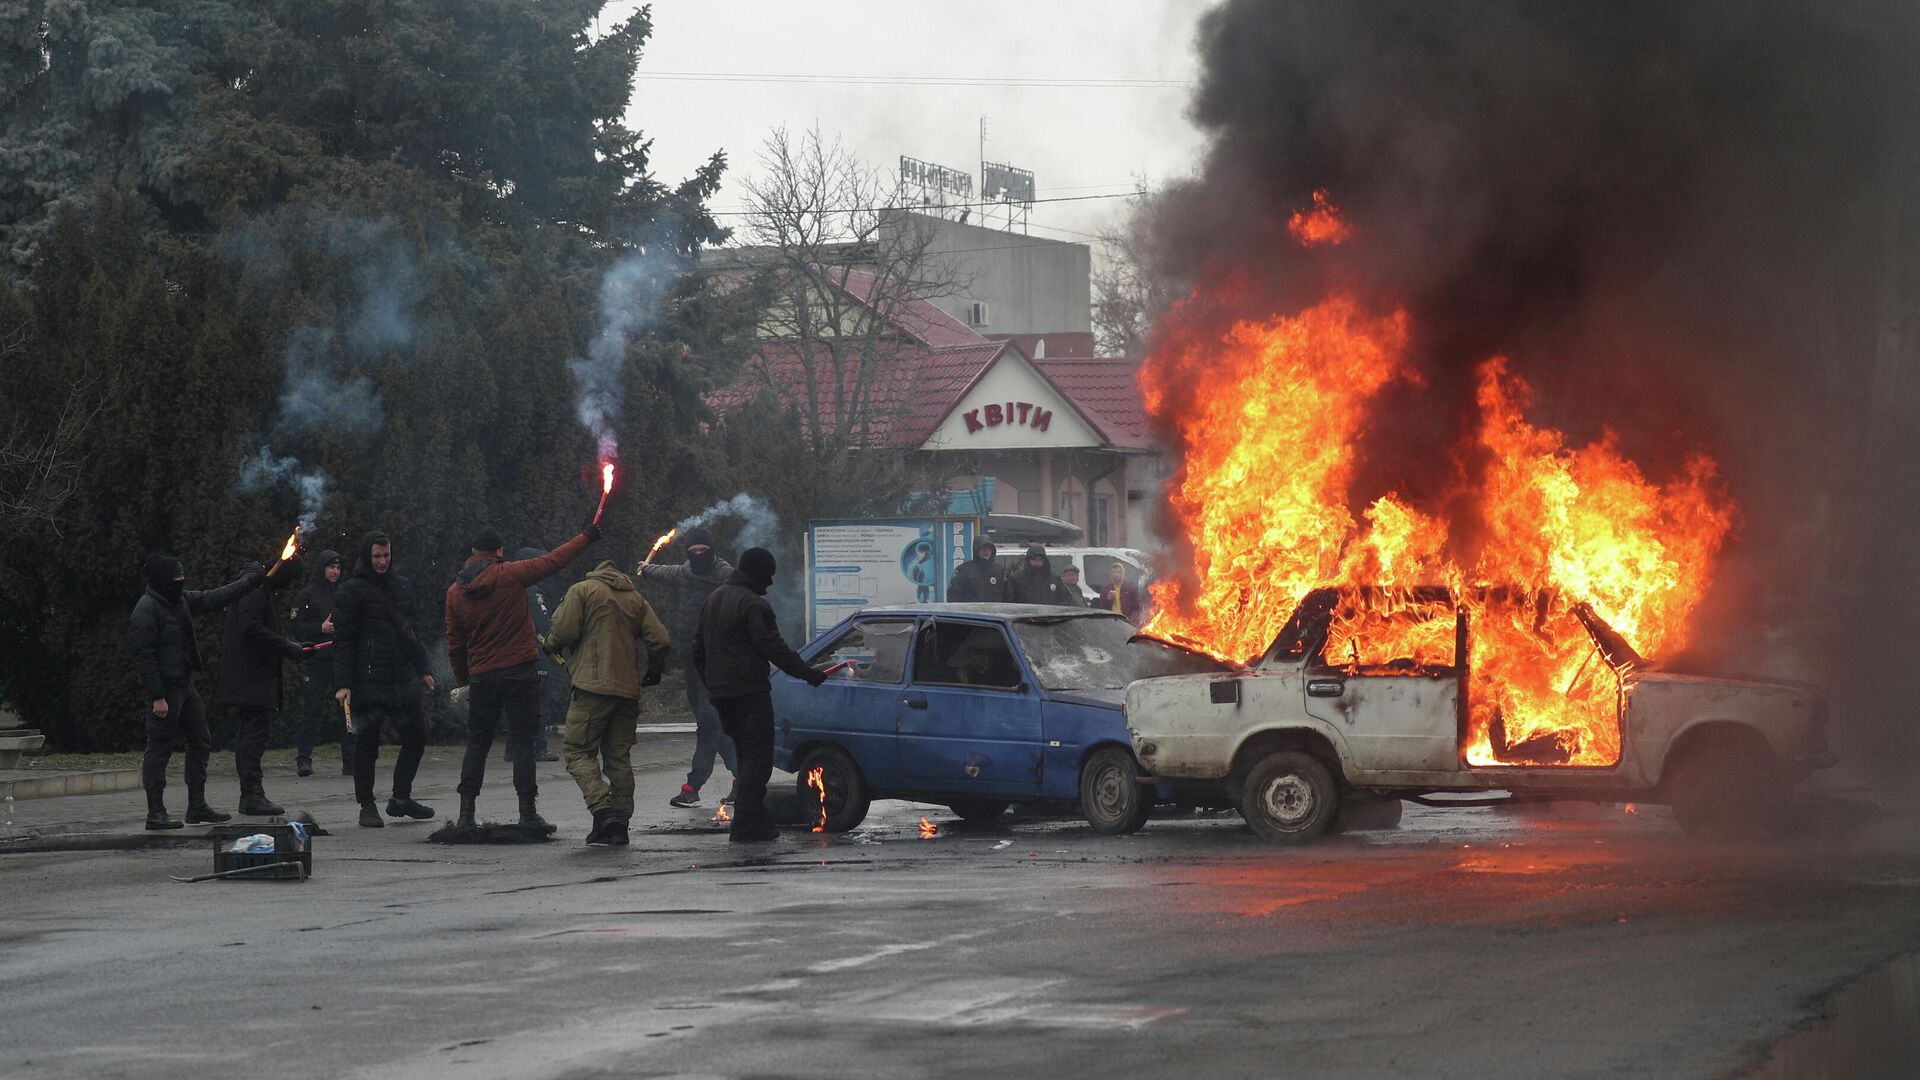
489 621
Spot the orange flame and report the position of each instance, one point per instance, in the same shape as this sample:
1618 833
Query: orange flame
1324 224
665 539
928 830
1269 416
723 815
1632 809
606 477
292 545
816 779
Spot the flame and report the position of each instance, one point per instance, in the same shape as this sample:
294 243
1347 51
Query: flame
1632 809
723 815
1324 224
606 477
292 545
816 780
928 830
665 539
1269 416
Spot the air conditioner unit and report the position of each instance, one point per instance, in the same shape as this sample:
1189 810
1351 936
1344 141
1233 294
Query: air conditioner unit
977 313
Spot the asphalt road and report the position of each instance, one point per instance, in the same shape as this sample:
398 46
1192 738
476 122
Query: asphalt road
1467 943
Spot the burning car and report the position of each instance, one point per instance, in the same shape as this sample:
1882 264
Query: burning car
977 706
1371 694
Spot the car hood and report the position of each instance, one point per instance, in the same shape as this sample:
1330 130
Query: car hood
1099 699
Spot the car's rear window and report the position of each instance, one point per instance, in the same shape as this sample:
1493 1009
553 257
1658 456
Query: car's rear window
1091 652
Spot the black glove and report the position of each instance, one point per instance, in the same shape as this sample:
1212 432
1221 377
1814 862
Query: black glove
256 578
817 678
591 532
651 678
293 650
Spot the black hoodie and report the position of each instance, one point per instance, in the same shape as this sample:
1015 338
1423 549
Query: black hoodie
160 631
375 650
252 647
313 605
739 637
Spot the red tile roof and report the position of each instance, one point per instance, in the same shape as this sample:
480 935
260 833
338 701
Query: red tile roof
1104 390
915 316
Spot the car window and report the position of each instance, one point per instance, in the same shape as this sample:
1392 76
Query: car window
964 654
1059 562
1092 652
877 647
1387 632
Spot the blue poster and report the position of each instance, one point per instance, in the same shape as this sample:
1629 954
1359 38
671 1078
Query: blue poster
881 561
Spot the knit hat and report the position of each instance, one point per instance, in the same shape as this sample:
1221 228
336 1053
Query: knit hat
757 564
698 536
489 540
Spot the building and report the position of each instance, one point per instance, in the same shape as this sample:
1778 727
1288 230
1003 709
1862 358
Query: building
1007 283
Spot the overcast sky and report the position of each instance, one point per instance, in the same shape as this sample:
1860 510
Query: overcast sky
1078 140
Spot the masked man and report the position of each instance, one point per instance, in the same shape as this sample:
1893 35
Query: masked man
165 656
252 649
1035 582
604 622
703 572
376 655
978 581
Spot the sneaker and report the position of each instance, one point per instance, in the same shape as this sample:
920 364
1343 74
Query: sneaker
408 808
303 767
687 799
370 817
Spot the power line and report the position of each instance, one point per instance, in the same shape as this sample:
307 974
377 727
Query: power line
912 80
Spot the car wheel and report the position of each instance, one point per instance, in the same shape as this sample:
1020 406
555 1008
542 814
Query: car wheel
1111 795
1290 798
1729 792
1359 814
979 811
846 794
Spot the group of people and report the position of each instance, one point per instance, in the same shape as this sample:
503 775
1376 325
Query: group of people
982 580
374 666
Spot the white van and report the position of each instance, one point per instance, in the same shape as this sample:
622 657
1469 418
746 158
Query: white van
1093 563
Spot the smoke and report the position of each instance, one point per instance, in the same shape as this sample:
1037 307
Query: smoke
630 299
760 525
315 401
1696 224
265 471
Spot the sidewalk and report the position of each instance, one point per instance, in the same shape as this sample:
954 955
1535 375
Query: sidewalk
660 760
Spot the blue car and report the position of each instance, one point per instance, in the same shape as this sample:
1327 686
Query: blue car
977 706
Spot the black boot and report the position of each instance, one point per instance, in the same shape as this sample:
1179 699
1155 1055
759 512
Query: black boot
466 813
398 807
254 802
597 836
530 818
370 816
303 767
199 813
157 816
616 834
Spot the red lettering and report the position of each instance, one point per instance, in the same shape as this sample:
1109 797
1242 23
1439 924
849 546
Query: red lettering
972 417
1024 409
1041 418
994 415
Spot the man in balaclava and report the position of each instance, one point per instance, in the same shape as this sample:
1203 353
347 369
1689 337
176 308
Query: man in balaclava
703 572
311 622
376 653
491 644
165 656
736 640
251 651
1035 582
979 580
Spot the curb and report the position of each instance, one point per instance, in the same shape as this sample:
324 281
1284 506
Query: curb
32 784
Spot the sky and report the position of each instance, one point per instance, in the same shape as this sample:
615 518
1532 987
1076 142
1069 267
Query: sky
1079 139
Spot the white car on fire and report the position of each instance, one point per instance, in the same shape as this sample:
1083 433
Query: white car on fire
1370 696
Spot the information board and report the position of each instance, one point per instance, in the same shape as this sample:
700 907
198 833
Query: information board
882 561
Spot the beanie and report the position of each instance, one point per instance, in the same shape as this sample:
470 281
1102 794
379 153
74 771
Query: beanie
488 540
758 564
696 537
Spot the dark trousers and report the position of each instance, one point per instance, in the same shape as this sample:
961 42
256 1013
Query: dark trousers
540 706
709 739
184 726
507 693
321 713
748 721
250 727
409 725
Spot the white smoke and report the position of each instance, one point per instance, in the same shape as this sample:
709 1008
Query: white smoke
629 302
265 471
315 401
760 524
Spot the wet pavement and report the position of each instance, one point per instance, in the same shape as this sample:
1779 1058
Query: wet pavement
1468 943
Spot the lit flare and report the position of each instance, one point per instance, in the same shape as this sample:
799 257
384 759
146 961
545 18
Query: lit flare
606 489
665 539
286 551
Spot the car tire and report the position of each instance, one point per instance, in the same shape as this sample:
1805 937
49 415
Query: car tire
1111 795
1365 814
979 811
1729 792
846 796
1290 798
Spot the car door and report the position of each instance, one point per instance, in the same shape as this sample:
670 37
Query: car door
969 717
855 707
1396 696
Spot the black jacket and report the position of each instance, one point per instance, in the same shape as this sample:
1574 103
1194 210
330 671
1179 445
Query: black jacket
376 653
311 607
165 654
251 649
978 582
738 637
1025 586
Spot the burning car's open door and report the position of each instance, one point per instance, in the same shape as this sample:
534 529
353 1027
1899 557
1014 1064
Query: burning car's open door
1389 673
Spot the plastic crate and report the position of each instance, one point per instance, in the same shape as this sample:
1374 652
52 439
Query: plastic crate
288 846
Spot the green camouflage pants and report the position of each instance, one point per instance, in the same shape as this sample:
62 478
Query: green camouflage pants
599 749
